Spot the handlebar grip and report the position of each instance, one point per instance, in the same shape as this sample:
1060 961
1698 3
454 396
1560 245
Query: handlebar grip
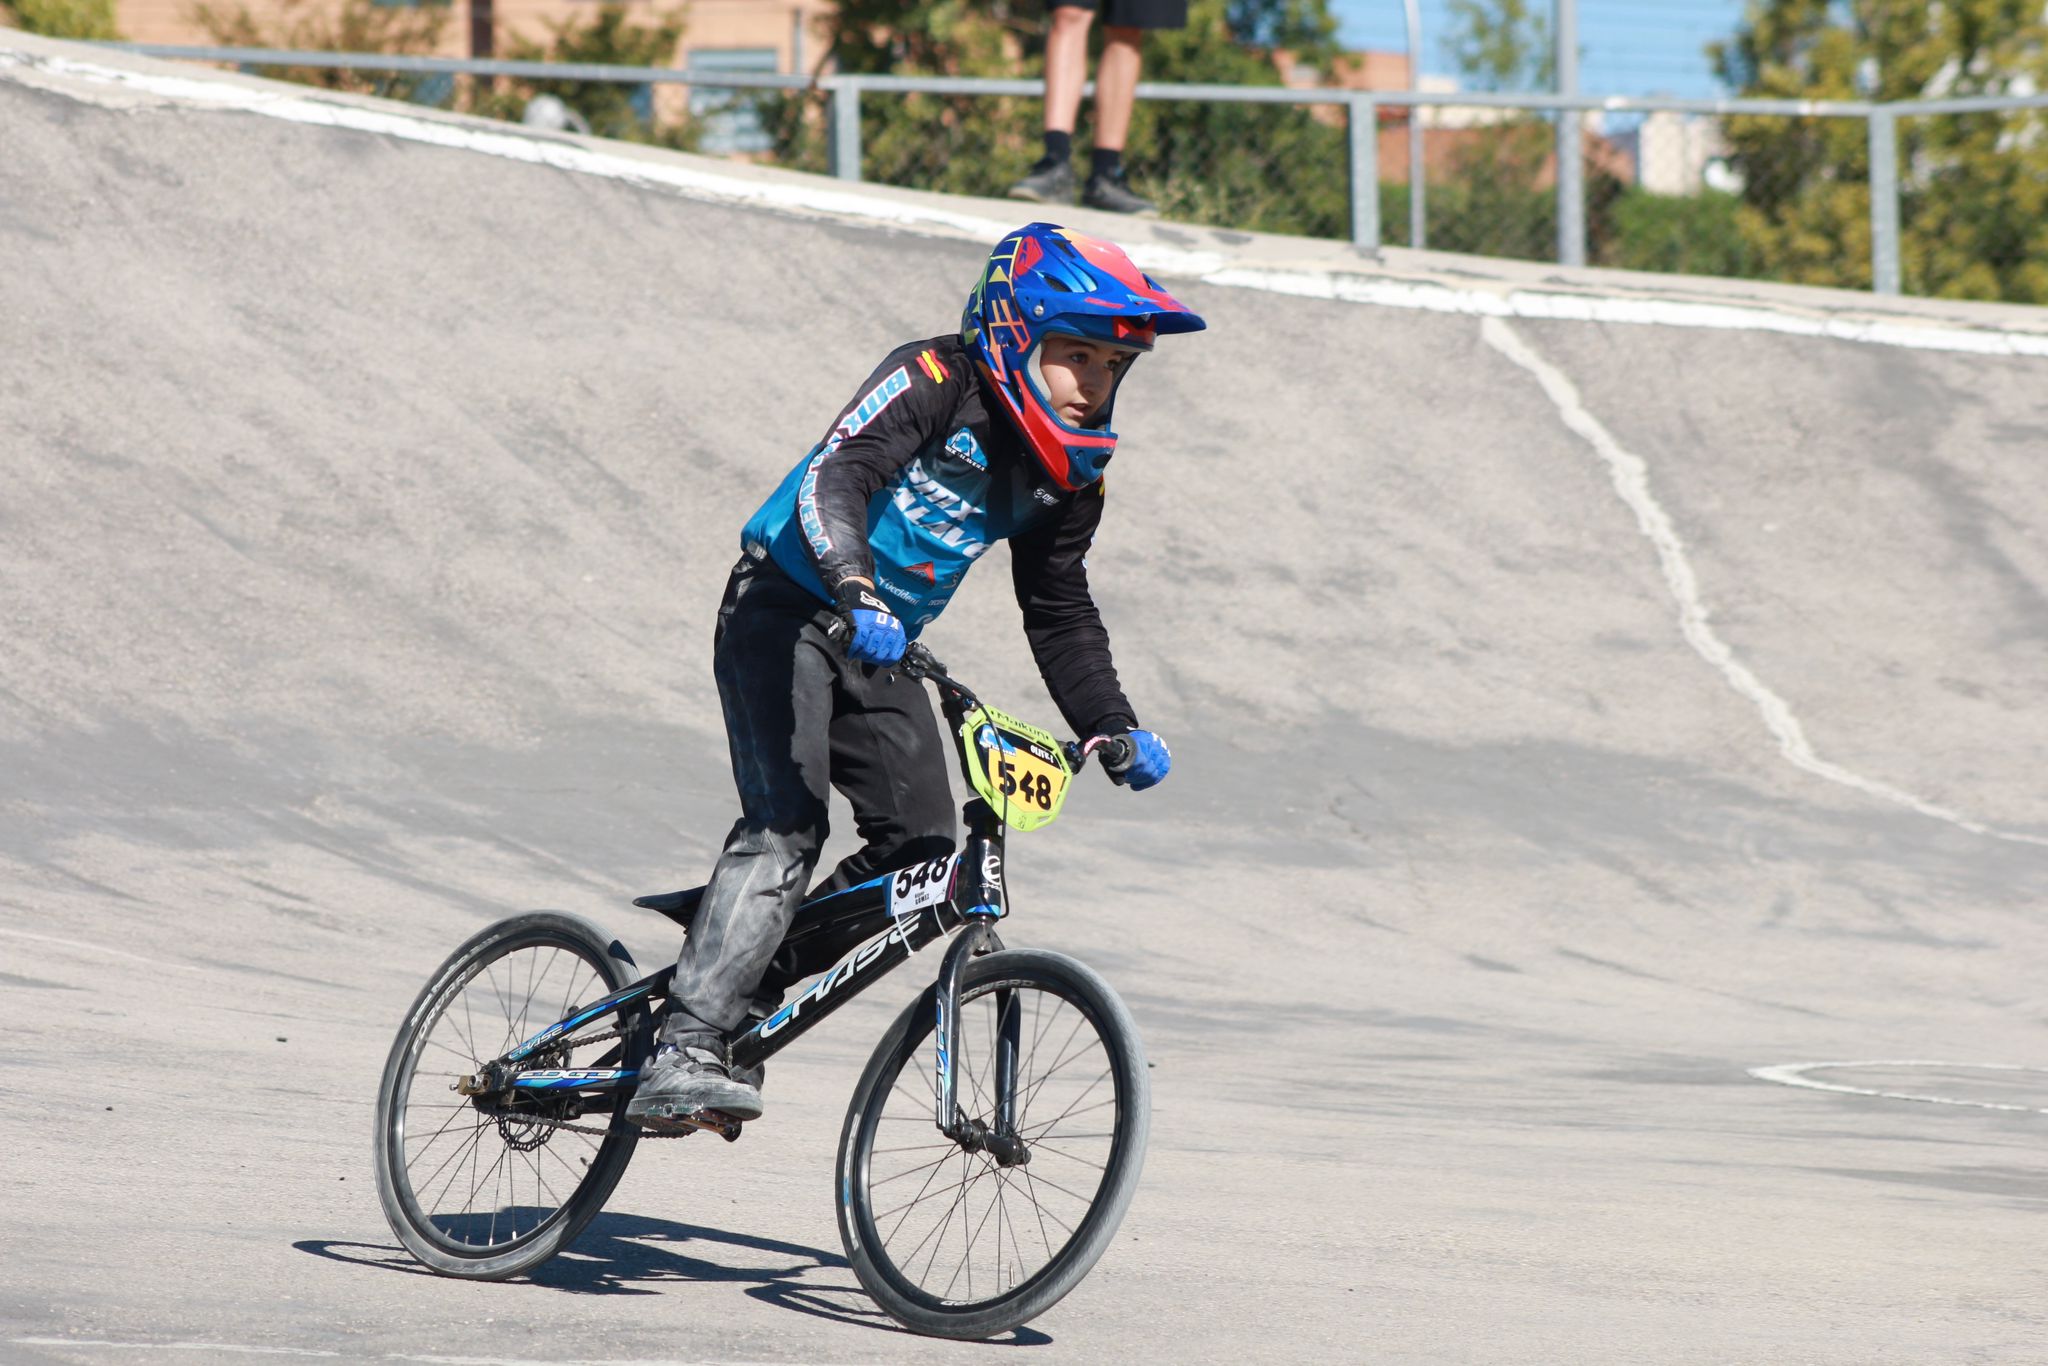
1119 753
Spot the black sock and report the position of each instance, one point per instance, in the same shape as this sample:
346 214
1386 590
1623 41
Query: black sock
1059 148
1106 161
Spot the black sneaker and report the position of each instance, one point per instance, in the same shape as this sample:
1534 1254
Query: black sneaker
688 1078
1113 193
1048 183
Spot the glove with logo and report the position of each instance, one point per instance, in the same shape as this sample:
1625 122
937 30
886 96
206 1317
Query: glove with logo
874 634
1147 766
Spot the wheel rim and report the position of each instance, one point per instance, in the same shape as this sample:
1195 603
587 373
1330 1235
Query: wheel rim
479 1182
955 1228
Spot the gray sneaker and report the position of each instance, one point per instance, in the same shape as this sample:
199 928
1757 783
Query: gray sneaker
1113 193
1052 184
688 1078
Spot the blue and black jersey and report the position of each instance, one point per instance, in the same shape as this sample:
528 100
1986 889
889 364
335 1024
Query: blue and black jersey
913 482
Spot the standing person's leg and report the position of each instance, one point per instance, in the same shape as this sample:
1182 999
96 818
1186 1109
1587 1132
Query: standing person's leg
1051 180
1116 90
1125 23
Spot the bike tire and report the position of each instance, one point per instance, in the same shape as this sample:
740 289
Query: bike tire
502 964
881 1102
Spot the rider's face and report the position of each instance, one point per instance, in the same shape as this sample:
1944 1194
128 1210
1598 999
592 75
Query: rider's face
1079 375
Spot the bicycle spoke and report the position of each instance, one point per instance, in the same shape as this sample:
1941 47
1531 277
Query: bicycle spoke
1080 1020
1016 1250
469 1057
1038 1208
938 1229
466 1151
468 1038
1071 1110
1040 1179
432 1138
967 1252
1038 1148
890 1235
938 1161
569 996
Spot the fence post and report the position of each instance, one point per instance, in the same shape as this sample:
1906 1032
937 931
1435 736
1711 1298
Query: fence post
1571 189
1571 143
1884 200
845 128
1363 132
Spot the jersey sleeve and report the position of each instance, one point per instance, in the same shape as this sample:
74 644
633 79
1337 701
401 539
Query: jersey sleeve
1068 639
906 403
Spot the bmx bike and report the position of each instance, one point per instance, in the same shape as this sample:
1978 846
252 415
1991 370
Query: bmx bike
991 1146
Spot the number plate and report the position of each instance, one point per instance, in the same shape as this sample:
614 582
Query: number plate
1016 768
924 885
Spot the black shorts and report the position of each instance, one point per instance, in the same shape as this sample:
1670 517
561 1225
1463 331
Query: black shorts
1132 13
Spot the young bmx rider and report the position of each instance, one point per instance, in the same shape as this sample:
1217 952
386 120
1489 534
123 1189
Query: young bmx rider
998 433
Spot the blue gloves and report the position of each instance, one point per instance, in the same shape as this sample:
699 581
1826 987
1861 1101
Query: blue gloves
874 633
1148 767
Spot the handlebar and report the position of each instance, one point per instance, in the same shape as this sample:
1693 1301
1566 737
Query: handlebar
1118 752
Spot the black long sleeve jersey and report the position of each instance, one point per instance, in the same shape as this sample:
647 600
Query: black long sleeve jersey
912 483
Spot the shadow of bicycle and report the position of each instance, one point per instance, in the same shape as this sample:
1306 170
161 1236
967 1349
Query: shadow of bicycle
632 1254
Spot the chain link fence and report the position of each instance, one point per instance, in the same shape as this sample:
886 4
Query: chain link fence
1973 203
1938 198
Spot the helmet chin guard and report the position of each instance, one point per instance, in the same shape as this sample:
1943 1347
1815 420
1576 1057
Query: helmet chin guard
1044 280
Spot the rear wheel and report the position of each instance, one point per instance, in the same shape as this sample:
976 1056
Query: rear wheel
490 1186
951 1241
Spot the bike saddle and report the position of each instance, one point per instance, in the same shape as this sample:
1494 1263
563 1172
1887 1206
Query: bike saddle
680 907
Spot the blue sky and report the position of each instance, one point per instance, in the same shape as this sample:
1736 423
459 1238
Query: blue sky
1626 47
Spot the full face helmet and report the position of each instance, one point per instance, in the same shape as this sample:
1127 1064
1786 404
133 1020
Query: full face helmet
1044 280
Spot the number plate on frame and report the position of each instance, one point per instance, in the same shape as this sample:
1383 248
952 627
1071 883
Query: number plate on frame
1015 767
921 885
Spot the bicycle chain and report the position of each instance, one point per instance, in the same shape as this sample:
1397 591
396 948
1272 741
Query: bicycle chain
569 1126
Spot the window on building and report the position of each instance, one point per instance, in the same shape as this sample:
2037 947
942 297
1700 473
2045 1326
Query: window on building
729 121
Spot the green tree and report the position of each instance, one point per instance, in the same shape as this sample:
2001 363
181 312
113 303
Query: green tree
83 19
309 26
613 110
1501 44
1974 205
1494 201
1270 167
1695 234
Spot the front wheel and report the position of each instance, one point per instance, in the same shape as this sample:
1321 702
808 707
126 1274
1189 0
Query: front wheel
487 1187
948 1240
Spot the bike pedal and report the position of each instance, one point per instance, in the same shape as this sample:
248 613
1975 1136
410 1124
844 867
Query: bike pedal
714 1121
688 1122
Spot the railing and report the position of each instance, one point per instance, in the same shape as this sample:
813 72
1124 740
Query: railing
1504 148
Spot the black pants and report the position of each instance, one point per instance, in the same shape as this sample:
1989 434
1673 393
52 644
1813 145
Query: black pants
798 717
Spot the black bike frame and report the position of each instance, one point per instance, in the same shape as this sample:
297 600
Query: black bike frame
890 917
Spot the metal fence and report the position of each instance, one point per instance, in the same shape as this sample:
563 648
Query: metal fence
1944 197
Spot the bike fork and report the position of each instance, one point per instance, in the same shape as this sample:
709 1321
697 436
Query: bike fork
979 893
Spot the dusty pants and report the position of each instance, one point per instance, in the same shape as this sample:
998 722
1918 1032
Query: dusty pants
800 719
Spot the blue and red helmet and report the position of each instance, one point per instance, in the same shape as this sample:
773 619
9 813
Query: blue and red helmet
1044 280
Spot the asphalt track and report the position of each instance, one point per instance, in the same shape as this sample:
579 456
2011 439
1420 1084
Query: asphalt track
1575 707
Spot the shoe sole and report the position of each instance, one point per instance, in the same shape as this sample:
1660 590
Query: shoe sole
669 1115
1034 197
